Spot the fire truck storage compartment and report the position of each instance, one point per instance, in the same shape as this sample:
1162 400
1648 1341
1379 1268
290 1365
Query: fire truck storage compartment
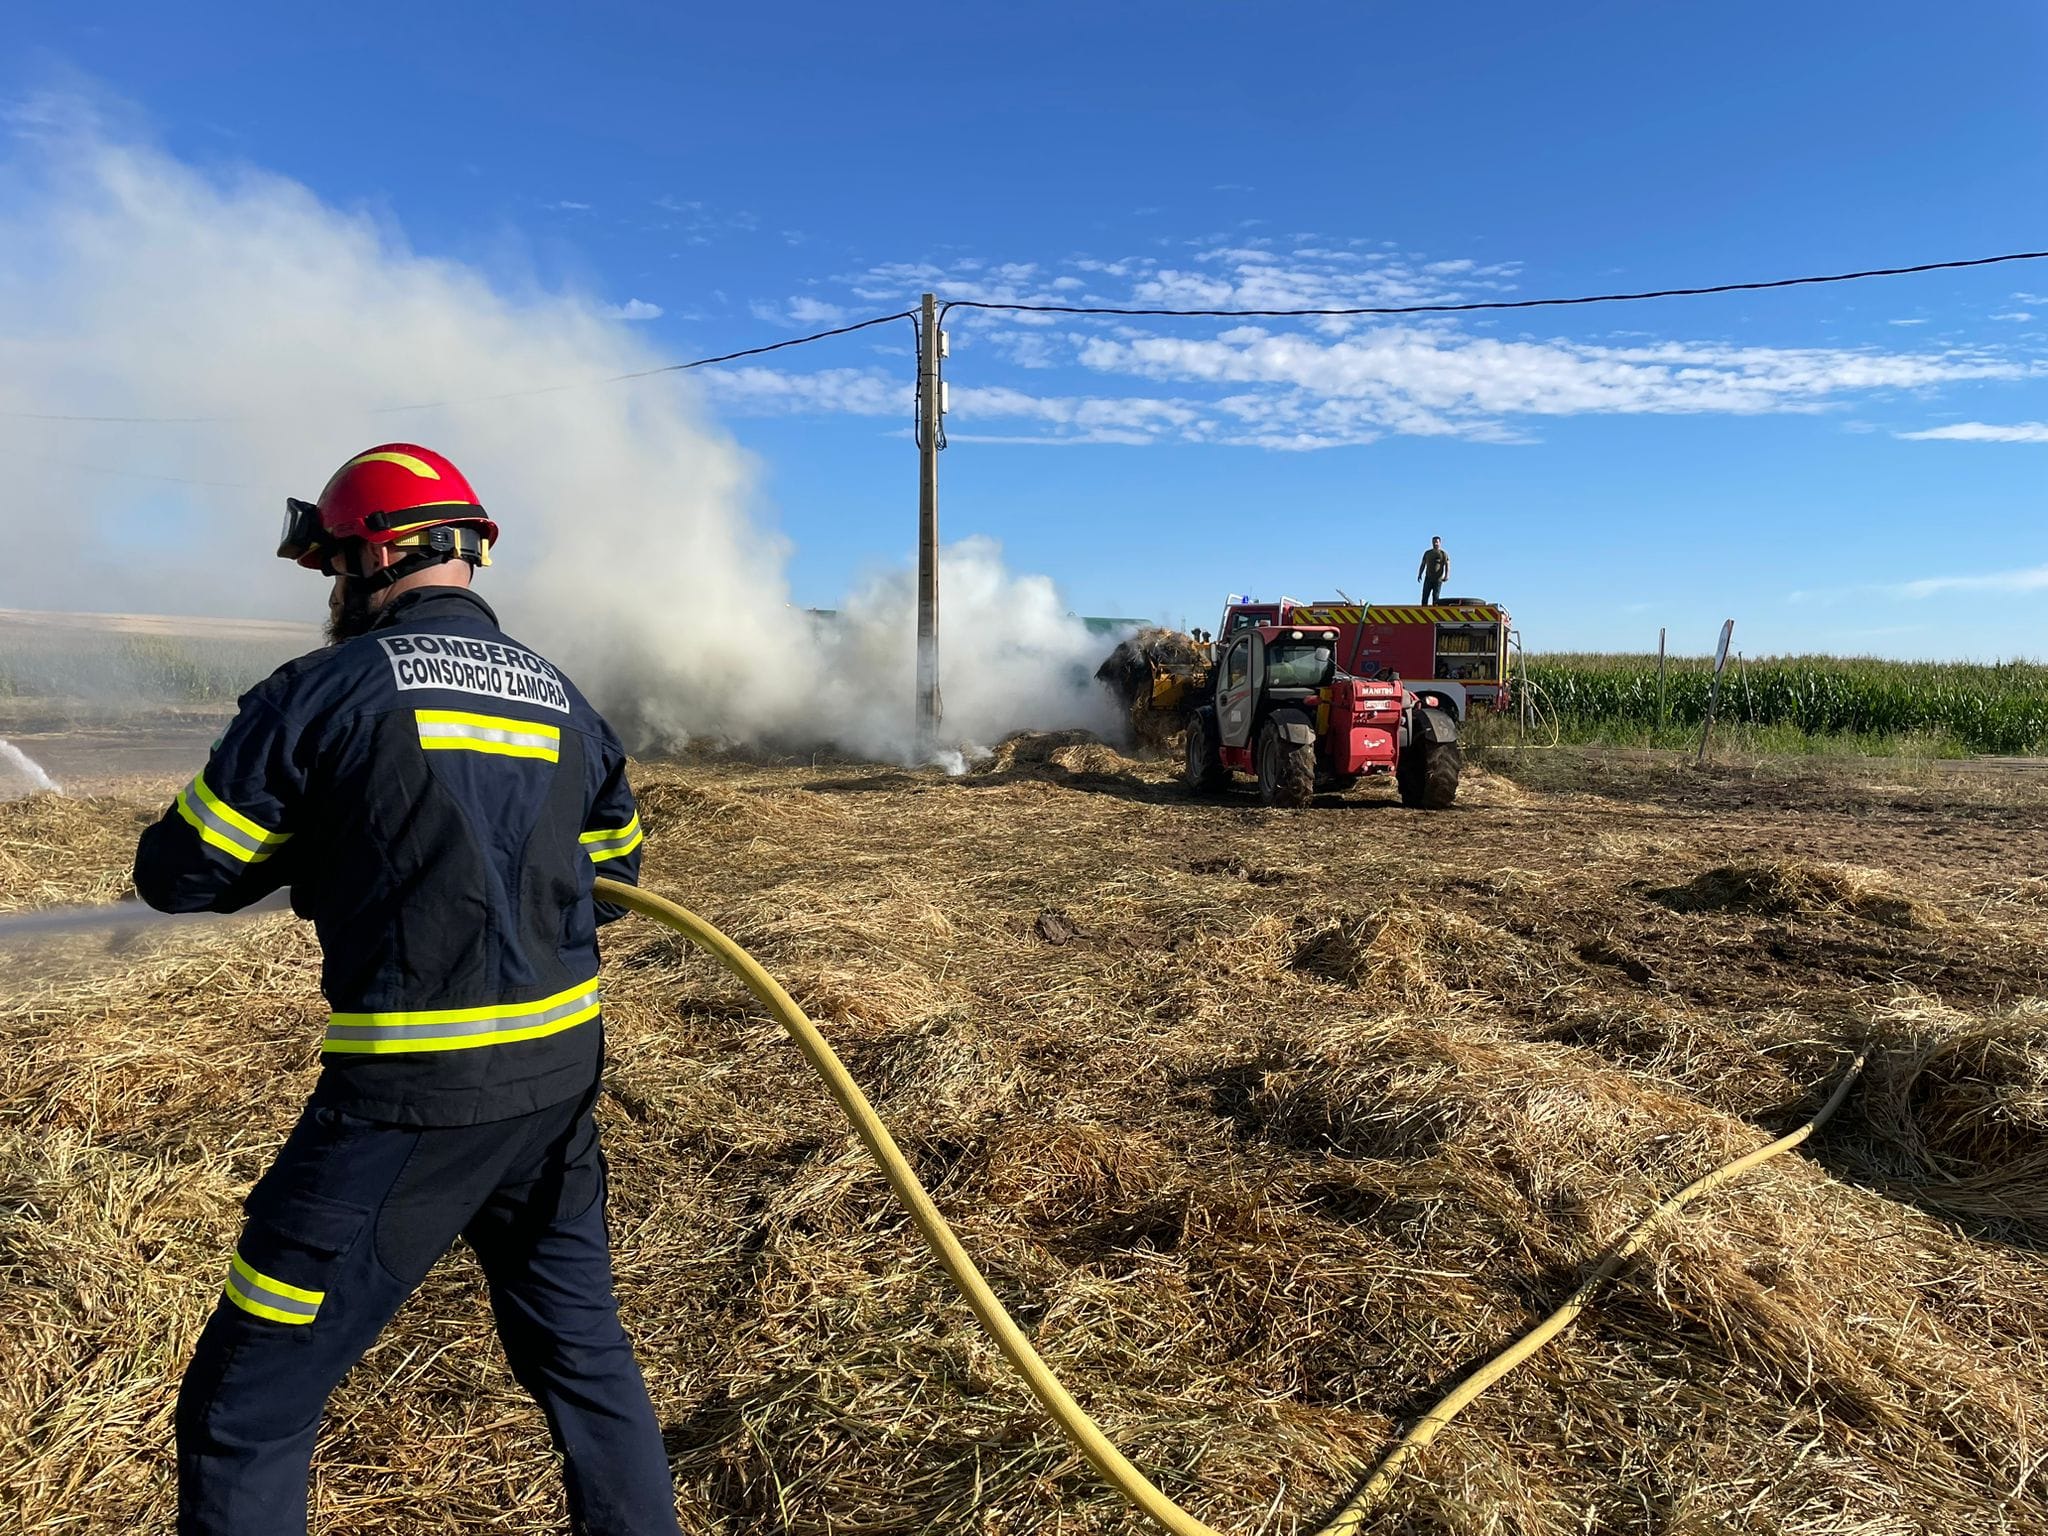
1467 652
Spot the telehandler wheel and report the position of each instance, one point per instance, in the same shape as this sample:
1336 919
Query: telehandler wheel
1204 773
1287 769
1428 774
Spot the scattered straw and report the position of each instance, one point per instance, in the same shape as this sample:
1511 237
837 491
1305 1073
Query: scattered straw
1797 886
1307 1115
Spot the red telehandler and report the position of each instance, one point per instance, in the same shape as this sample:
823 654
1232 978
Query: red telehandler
1277 706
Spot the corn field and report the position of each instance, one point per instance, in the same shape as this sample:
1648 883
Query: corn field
1992 708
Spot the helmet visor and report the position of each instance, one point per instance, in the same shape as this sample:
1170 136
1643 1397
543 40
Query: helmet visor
302 533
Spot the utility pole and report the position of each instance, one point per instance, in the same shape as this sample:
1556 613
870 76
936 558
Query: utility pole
1660 684
929 711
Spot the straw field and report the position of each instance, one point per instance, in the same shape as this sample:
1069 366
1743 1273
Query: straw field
1267 1125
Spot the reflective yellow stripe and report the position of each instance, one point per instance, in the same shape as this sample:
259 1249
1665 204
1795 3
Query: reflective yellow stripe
490 748
606 834
419 467
598 857
313 1298
259 1309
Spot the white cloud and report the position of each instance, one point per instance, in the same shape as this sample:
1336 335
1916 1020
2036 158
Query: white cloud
829 391
808 311
2032 578
2017 316
799 312
632 309
1981 432
1027 349
1921 321
1085 413
1433 380
565 206
802 311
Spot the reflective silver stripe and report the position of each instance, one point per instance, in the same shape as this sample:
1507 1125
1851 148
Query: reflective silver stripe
468 1026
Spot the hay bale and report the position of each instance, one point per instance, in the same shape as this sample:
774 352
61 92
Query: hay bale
1133 669
1797 887
1055 754
1129 669
1957 1113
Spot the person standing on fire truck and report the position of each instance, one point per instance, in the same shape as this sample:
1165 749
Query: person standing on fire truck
1434 570
439 798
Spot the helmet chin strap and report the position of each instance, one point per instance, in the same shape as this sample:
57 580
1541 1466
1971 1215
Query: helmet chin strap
356 615
436 547
398 570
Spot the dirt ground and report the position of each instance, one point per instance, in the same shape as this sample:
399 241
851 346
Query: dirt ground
1268 1125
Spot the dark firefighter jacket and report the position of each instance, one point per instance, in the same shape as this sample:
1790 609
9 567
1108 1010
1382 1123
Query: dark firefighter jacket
438 798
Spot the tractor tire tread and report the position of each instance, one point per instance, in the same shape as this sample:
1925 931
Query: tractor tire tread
1292 783
1203 772
1429 780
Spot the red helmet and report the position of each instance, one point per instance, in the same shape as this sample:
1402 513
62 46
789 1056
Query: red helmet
391 494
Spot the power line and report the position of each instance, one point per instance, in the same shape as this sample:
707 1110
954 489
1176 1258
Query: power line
773 346
513 394
1094 309
1488 304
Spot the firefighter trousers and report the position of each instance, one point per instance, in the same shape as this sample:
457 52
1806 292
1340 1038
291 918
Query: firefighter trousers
340 1231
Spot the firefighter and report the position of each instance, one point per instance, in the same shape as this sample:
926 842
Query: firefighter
439 798
1434 570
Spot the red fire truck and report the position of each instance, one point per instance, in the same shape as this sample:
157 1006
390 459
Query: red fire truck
1456 650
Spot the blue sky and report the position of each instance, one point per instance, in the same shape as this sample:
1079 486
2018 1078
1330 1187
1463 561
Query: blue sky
721 176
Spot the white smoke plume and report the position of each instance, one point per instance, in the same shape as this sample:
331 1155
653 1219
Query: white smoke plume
635 551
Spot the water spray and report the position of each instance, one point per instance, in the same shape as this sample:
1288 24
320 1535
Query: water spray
116 916
28 767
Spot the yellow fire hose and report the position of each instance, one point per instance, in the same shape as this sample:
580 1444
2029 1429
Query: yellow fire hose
1009 1338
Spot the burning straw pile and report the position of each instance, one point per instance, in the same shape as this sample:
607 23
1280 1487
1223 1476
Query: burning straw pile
1282 1126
